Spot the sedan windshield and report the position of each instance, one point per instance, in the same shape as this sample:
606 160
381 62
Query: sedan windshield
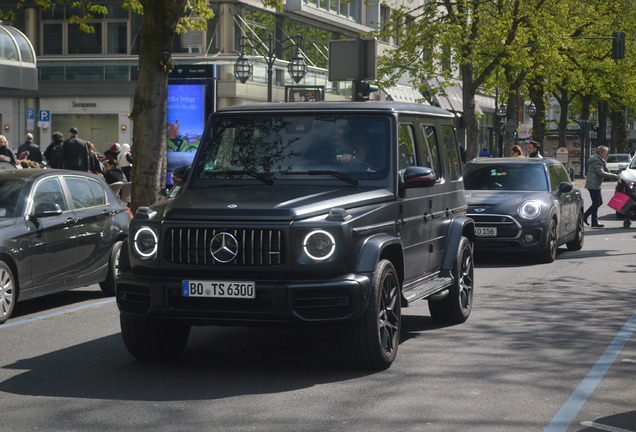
522 177
617 158
10 204
271 147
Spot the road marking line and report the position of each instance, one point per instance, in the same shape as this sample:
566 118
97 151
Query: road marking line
37 318
564 418
603 427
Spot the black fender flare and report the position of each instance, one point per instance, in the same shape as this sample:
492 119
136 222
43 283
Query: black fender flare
378 247
461 226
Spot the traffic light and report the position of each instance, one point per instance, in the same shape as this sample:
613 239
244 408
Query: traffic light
362 90
618 45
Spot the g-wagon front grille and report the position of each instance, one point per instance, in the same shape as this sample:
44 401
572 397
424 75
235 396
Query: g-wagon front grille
254 247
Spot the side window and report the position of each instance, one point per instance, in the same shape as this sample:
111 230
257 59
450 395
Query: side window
430 136
450 153
49 191
557 176
85 192
406 146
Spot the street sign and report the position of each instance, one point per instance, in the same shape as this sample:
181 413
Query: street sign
44 116
30 117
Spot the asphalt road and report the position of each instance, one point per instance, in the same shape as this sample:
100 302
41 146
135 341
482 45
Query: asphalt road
548 347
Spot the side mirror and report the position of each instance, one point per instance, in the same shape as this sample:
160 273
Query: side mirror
46 210
565 187
415 177
180 175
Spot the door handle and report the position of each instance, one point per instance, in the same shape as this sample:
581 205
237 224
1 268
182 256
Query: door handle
72 221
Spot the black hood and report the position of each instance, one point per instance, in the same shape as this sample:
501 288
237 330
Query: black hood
283 203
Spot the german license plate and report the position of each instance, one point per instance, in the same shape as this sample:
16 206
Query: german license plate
218 289
486 231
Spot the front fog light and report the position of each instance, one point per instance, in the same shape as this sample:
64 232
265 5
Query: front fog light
319 245
145 242
528 238
530 209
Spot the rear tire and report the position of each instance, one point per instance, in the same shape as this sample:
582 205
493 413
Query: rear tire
577 243
154 339
8 292
108 285
372 342
455 308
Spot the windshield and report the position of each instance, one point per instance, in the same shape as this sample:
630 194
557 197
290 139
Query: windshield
10 203
522 177
617 158
270 147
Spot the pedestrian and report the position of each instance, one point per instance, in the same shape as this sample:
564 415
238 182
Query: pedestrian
53 153
6 150
534 150
124 159
75 154
111 153
597 172
515 151
30 149
484 152
112 172
93 156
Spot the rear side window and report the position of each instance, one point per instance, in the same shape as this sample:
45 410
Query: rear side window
450 151
86 192
432 148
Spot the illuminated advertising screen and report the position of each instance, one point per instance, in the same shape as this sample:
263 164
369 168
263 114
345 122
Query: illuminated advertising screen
184 123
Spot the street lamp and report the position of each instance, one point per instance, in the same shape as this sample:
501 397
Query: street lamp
297 67
586 149
531 109
500 116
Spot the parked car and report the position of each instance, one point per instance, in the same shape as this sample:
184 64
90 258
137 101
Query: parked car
617 162
525 205
334 214
59 230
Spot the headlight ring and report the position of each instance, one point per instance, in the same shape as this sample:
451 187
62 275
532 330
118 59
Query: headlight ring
145 242
530 209
319 245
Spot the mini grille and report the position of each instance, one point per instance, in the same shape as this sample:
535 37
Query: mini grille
256 247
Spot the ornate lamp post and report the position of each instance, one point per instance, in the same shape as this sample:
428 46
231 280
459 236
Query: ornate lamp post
297 67
500 117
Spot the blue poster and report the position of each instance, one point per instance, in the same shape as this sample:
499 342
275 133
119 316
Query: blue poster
184 124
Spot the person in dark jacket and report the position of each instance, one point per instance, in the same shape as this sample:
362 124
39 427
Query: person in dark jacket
6 150
75 153
534 150
53 152
30 149
112 172
597 172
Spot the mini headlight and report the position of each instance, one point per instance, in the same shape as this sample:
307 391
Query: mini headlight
319 245
530 209
145 242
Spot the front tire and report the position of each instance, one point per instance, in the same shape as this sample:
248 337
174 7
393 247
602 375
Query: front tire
577 243
549 254
372 342
108 285
154 340
455 308
8 292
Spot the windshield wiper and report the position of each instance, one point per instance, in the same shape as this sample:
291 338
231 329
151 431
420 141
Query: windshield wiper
265 178
340 175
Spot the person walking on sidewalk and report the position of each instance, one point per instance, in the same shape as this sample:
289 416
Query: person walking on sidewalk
597 172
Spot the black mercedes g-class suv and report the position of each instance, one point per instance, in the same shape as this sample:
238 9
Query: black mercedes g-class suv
312 213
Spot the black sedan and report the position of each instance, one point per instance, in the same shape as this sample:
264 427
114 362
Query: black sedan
59 230
523 204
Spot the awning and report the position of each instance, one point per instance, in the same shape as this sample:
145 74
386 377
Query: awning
18 69
400 93
449 97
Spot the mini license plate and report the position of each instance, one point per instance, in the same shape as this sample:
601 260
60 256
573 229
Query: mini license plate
218 289
486 231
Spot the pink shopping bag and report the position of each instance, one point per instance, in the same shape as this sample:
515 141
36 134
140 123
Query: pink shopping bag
620 202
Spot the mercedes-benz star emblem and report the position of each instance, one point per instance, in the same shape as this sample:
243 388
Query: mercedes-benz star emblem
224 247
480 210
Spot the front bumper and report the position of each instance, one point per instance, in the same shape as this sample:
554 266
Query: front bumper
341 299
512 235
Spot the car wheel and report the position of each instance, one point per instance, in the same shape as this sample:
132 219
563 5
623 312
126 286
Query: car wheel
455 308
154 339
108 285
577 243
549 254
372 342
8 292
627 223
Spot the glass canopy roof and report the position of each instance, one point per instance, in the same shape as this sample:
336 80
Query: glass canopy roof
18 69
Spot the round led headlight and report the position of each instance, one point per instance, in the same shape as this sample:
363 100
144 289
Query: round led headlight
530 209
319 245
145 242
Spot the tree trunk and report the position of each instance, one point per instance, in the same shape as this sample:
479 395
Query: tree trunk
468 105
160 19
